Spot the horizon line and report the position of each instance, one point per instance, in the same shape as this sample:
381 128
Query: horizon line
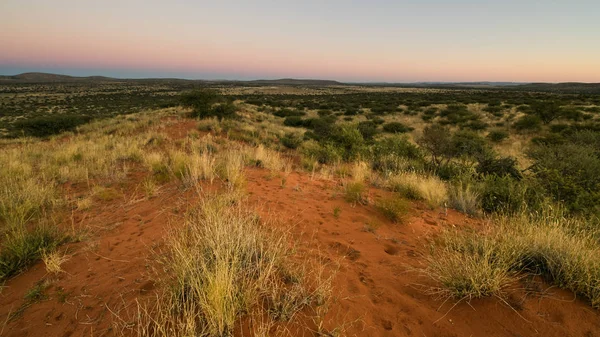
280 79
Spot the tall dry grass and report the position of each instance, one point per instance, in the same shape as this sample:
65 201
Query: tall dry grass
418 186
223 265
563 250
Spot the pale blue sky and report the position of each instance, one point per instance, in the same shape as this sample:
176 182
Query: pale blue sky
400 41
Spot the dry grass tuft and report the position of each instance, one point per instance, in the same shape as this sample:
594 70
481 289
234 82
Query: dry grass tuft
223 265
394 208
562 250
53 261
464 198
419 187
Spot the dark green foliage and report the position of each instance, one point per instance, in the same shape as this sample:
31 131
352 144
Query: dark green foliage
547 111
208 103
368 129
476 125
558 128
201 101
504 166
294 121
288 113
350 140
570 170
396 127
291 140
325 153
468 145
497 136
528 122
505 194
22 248
44 126
457 114
392 153
322 127
436 141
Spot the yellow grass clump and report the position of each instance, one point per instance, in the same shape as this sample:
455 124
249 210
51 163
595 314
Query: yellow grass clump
417 186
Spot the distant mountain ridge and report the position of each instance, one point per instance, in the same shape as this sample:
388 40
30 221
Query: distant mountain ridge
46 77
567 87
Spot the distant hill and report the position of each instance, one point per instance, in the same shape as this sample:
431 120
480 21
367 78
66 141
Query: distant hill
568 87
46 77
292 81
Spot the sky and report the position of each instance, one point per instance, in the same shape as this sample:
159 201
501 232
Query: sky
351 41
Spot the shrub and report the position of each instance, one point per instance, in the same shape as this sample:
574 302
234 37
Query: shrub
44 126
570 172
497 136
295 121
354 192
396 127
350 140
499 166
528 122
288 113
368 129
393 208
291 140
505 194
322 153
208 103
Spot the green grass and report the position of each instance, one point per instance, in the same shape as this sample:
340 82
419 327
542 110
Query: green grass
22 248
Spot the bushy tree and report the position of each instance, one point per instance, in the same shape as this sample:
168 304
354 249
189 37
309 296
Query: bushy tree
208 103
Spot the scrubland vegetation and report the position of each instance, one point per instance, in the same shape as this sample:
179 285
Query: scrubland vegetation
223 266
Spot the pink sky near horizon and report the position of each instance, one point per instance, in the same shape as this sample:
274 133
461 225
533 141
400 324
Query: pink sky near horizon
84 39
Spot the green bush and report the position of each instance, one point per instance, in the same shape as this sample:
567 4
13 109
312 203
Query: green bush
44 126
291 140
323 153
368 129
528 122
396 153
570 171
288 113
507 195
294 121
208 103
497 136
396 127
499 166
349 139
